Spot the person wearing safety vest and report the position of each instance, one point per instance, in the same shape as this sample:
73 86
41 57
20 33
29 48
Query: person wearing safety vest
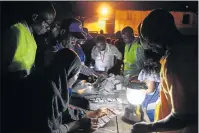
19 45
133 62
133 55
18 51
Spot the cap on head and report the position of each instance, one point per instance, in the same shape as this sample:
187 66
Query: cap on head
74 27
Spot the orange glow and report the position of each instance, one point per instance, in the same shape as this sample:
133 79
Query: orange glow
104 11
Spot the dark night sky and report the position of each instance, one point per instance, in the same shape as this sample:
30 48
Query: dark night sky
86 8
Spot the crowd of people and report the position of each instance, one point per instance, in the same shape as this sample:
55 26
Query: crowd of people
44 56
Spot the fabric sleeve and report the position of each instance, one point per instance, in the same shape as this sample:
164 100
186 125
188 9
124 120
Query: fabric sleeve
94 53
54 112
86 70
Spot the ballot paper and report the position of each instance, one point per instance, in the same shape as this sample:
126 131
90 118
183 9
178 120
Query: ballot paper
102 121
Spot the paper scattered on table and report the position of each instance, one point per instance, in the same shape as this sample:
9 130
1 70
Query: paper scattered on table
102 121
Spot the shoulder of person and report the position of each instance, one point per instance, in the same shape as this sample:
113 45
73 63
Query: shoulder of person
14 29
112 47
94 48
182 56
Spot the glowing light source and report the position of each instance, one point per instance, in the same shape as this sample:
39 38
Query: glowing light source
135 96
104 11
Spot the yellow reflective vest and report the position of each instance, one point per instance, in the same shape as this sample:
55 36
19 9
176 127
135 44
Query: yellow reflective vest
24 56
130 55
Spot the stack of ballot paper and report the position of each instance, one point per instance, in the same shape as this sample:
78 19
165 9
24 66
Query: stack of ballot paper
102 121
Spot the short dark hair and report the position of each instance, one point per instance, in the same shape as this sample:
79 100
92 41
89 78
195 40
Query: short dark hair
128 29
151 63
40 8
118 34
158 24
100 38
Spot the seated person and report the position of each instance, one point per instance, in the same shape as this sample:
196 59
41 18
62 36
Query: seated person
151 77
104 55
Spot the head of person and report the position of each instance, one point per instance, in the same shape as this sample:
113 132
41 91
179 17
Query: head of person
128 35
39 16
100 42
118 35
159 31
71 31
151 63
55 29
52 35
108 40
101 32
66 66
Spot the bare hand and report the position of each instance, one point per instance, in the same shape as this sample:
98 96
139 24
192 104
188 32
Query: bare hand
98 113
141 127
134 79
102 74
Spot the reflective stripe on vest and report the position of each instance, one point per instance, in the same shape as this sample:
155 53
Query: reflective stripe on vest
25 53
130 55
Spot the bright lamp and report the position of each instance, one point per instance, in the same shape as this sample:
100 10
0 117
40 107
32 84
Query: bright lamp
135 96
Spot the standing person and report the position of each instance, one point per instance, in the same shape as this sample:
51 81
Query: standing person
72 35
133 62
67 33
87 47
63 74
177 110
104 55
19 51
19 46
120 45
133 55
43 106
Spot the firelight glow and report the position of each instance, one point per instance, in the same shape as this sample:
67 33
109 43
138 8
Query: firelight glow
104 11
134 96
